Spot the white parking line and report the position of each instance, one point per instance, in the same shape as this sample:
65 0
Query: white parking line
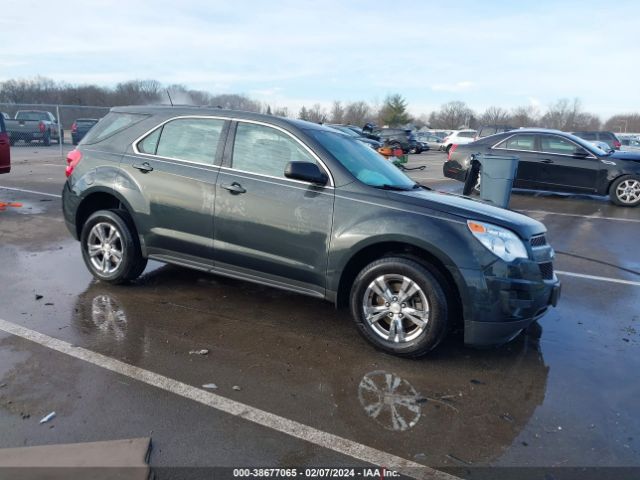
260 417
595 217
601 279
30 191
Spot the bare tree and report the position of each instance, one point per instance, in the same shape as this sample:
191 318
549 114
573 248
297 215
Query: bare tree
452 115
624 123
495 116
524 117
357 113
337 112
317 114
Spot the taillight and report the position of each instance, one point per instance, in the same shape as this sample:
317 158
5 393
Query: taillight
73 158
74 127
616 144
451 150
42 127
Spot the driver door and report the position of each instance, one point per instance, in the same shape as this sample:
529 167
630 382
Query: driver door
270 228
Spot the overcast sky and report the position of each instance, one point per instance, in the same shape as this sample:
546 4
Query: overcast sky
292 52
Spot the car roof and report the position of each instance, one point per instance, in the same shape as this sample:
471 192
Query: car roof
186 110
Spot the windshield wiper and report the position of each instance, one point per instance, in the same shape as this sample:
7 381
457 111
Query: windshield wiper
419 185
398 188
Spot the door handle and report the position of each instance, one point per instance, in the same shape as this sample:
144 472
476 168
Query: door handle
546 160
144 167
235 188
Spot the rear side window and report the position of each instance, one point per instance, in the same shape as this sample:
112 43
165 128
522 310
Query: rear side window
467 134
265 150
190 139
111 124
519 142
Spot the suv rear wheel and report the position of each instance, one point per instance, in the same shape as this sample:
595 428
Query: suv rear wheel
110 247
399 306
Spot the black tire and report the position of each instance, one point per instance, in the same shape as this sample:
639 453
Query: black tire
431 286
619 197
132 263
46 141
395 145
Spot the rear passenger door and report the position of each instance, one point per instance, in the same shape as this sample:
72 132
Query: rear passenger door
270 228
176 166
523 146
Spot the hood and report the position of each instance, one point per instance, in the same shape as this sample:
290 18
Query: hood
631 156
468 209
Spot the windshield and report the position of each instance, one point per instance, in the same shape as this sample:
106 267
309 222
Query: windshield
346 130
364 163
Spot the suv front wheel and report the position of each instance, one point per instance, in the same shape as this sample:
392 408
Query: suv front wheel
399 306
110 248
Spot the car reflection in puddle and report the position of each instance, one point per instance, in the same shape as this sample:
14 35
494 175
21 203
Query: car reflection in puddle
390 400
109 317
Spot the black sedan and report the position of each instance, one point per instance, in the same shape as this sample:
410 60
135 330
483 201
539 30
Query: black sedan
557 161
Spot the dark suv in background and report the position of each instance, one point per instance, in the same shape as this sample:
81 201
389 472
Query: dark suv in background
597 136
399 138
301 207
487 130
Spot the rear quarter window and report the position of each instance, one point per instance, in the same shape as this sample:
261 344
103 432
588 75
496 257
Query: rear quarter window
111 124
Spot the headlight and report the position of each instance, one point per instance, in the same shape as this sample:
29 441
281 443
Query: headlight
501 242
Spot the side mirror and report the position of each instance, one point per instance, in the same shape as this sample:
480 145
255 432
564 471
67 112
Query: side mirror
305 171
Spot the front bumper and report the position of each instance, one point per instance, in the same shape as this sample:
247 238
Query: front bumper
506 299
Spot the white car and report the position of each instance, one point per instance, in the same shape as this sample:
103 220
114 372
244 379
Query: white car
458 137
630 144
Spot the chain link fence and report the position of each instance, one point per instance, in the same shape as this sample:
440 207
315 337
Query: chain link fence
48 125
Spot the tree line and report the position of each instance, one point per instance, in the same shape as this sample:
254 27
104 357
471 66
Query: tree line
564 114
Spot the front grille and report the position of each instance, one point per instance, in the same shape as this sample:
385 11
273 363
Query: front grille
538 241
546 270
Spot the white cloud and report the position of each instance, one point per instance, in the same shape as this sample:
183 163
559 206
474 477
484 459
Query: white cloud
453 87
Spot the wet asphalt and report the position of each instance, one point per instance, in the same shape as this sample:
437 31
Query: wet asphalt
562 394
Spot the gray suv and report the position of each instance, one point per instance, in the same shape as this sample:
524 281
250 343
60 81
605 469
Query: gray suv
301 207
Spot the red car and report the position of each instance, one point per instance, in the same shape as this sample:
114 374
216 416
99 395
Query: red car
5 154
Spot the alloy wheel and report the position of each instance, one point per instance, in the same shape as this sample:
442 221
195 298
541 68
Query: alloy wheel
105 248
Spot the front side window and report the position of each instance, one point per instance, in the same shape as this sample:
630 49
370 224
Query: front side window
519 142
266 151
559 145
190 139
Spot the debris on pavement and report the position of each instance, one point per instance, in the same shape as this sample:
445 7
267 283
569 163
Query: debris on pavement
48 417
507 417
476 382
236 387
39 297
202 351
210 386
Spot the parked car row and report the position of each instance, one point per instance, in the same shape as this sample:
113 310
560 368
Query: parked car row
42 126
